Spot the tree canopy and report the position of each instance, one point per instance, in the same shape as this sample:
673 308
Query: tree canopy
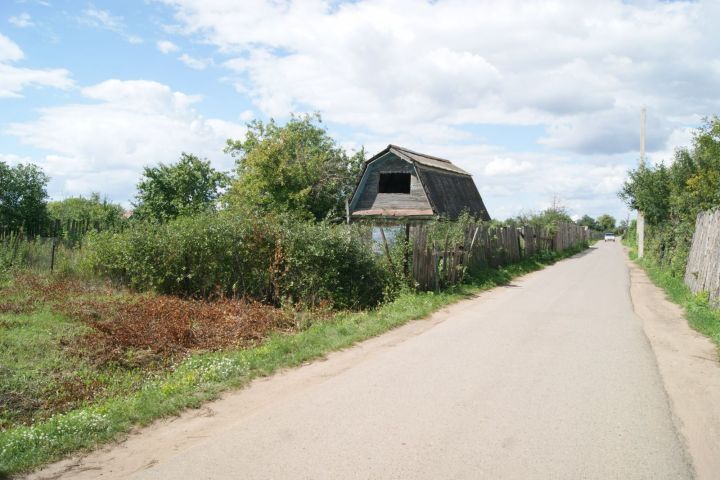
686 187
296 167
606 222
187 187
671 196
94 209
588 221
22 197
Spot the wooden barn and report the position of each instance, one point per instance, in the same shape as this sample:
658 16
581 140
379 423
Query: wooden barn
399 186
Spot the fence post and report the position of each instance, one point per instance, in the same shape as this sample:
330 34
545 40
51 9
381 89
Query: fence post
52 255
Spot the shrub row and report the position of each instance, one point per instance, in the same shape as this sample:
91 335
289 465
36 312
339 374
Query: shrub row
273 260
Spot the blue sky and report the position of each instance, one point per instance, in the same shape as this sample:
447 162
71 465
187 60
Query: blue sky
536 99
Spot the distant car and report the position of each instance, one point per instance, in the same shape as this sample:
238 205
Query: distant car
609 237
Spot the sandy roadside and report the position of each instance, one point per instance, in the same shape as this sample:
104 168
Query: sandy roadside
688 363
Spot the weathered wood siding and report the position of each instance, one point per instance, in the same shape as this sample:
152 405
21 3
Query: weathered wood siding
371 199
438 264
702 273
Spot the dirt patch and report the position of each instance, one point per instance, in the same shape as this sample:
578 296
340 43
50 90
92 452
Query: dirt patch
126 333
148 326
689 367
165 327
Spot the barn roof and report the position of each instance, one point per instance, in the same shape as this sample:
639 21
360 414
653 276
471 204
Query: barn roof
421 158
448 189
450 195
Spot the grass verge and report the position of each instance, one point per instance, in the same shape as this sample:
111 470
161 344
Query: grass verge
203 377
700 315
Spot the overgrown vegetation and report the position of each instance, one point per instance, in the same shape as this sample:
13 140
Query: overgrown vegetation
66 342
137 392
94 211
671 196
275 259
295 168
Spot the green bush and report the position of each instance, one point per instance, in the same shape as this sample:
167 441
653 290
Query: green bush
671 196
321 262
269 259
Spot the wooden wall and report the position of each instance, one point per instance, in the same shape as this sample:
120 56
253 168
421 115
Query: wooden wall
371 199
702 273
436 264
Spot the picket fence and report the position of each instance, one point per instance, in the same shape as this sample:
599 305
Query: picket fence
437 264
702 273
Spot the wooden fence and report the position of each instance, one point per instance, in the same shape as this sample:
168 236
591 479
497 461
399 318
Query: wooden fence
70 229
702 273
441 262
38 248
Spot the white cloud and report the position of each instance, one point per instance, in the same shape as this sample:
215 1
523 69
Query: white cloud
14 79
247 115
506 166
194 63
9 50
679 138
21 21
611 131
391 67
104 145
166 46
103 19
425 74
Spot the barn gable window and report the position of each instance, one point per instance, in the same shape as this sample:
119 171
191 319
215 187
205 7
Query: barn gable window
394 183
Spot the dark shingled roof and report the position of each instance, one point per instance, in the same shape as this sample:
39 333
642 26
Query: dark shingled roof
451 194
450 190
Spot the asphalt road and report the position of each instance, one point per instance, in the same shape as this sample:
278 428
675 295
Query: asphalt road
549 378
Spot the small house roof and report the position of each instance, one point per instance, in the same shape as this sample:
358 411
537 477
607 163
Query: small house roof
448 190
421 158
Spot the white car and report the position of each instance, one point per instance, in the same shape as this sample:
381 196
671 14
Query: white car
609 237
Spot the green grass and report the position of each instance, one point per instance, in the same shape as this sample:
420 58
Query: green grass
700 315
203 376
40 374
33 365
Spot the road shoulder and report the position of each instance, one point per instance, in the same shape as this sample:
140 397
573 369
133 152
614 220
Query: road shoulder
688 363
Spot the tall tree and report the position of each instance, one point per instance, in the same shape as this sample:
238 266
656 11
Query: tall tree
23 197
187 187
296 167
606 222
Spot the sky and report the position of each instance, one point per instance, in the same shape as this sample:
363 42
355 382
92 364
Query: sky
537 99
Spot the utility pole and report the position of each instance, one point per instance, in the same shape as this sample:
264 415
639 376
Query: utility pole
640 217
